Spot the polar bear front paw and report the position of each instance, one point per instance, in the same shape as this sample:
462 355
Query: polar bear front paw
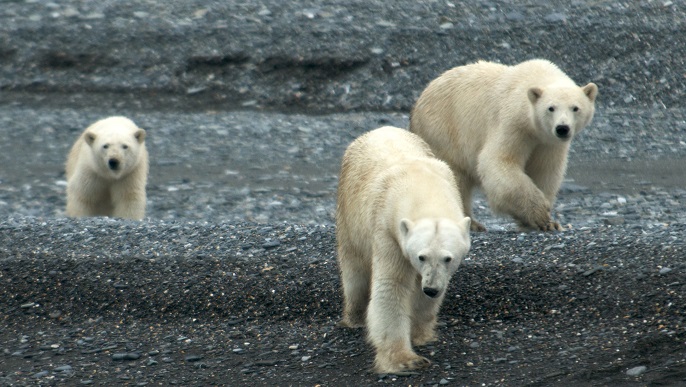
400 363
552 226
348 322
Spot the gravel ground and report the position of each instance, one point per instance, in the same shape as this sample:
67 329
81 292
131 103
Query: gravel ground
232 279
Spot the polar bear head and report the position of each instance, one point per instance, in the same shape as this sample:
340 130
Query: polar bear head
116 144
435 248
563 110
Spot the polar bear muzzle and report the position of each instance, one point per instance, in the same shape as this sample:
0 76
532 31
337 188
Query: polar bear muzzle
431 292
562 131
113 164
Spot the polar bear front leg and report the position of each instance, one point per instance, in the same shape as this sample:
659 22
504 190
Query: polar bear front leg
85 196
389 326
425 317
356 278
546 167
509 190
128 203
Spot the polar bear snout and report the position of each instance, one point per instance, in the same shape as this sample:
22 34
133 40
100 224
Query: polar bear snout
431 292
113 164
562 131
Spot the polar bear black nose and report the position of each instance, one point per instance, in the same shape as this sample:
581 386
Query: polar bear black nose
562 131
431 292
114 164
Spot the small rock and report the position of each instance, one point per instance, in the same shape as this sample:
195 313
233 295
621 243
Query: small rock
443 381
636 371
126 356
64 368
271 244
193 358
556 17
306 358
665 270
41 374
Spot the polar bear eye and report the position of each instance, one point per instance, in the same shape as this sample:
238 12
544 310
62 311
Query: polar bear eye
551 109
447 259
422 258
125 146
575 109
105 146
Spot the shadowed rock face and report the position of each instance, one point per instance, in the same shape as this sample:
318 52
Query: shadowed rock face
248 108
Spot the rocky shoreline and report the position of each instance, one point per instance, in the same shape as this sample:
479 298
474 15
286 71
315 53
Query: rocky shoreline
232 278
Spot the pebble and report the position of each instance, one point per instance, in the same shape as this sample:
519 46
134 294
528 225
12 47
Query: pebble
555 17
665 270
271 244
305 358
63 368
636 371
126 356
193 358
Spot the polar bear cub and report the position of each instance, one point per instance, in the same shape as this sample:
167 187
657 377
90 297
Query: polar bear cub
507 129
107 170
401 235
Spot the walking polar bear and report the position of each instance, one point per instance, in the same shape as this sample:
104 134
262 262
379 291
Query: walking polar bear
107 170
507 129
401 235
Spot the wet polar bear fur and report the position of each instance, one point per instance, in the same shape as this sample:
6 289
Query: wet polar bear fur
507 129
107 170
401 235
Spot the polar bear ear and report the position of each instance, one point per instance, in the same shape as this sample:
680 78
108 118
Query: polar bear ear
591 91
90 138
466 223
534 94
405 227
140 135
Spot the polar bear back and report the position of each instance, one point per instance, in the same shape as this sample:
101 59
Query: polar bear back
390 173
467 104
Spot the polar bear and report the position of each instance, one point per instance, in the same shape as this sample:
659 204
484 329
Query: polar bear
401 235
107 170
507 129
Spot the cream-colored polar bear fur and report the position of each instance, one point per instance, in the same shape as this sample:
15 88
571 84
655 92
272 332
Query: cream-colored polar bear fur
507 129
107 170
401 235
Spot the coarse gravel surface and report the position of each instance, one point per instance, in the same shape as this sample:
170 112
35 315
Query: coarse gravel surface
232 278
